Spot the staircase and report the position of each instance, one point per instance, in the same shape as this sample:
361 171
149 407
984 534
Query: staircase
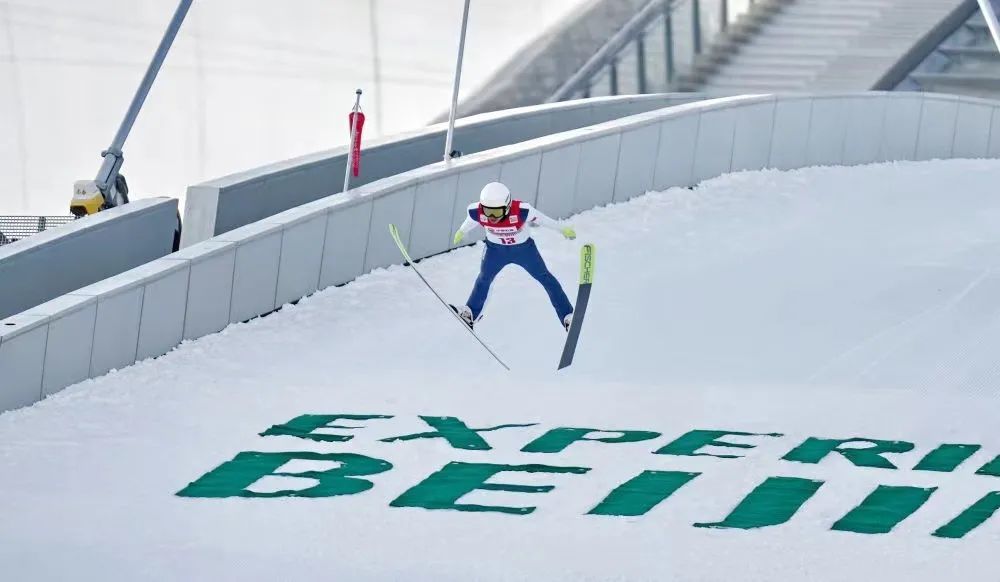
817 45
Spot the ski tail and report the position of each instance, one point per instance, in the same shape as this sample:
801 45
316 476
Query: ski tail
580 309
394 232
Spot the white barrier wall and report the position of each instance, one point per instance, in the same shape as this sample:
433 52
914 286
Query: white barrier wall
254 269
61 259
221 205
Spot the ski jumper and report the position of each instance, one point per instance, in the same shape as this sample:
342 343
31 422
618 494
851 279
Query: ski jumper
508 242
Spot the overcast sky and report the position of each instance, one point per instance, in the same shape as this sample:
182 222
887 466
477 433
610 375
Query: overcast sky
249 82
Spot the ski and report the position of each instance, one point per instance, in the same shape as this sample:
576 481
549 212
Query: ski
406 255
580 309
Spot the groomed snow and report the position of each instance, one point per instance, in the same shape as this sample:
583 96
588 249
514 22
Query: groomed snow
827 302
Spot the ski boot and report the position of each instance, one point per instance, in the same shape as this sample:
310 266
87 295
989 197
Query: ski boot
465 313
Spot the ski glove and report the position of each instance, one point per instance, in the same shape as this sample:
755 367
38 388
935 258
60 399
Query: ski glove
458 238
569 233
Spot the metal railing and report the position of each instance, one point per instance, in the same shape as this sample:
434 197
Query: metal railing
14 228
660 43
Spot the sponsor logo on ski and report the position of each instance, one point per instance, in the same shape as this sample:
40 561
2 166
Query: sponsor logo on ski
770 501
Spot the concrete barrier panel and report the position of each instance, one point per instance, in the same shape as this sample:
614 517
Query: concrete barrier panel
164 302
557 180
116 330
636 162
200 209
972 131
714 148
394 208
937 129
752 137
255 275
346 241
301 258
22 356
70 344
63 259
571 119
790 139
994 149
596 172
210 290
863 139
675 158
902 123
521 176
827 130
432 216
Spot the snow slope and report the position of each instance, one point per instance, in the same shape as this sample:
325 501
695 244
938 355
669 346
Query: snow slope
826 303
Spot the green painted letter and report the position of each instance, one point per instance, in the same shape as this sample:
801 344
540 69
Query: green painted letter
689 444
642 493
232 478
992 468
884 509
443 489
946 458
814 450
303 426
558 439
773 502
972 517
455 432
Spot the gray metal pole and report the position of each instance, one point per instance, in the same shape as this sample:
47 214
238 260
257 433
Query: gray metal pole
376 67
696 25
458 80
668 27
991 21
640 50
113 157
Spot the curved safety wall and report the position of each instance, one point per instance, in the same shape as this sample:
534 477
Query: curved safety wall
254 269
59 260
221 205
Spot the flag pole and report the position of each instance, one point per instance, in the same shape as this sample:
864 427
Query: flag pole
350 145
458 80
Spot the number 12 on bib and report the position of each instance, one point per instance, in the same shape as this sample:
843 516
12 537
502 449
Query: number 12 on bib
580 309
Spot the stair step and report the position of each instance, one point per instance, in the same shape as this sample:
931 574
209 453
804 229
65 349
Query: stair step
796 43
769 70
761 79
833 11
794 61
881 3
810 21
783 27
788 51
738 87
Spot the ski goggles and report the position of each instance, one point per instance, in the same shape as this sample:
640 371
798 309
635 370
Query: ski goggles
494 212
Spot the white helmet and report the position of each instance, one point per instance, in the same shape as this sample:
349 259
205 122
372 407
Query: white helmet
495 195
